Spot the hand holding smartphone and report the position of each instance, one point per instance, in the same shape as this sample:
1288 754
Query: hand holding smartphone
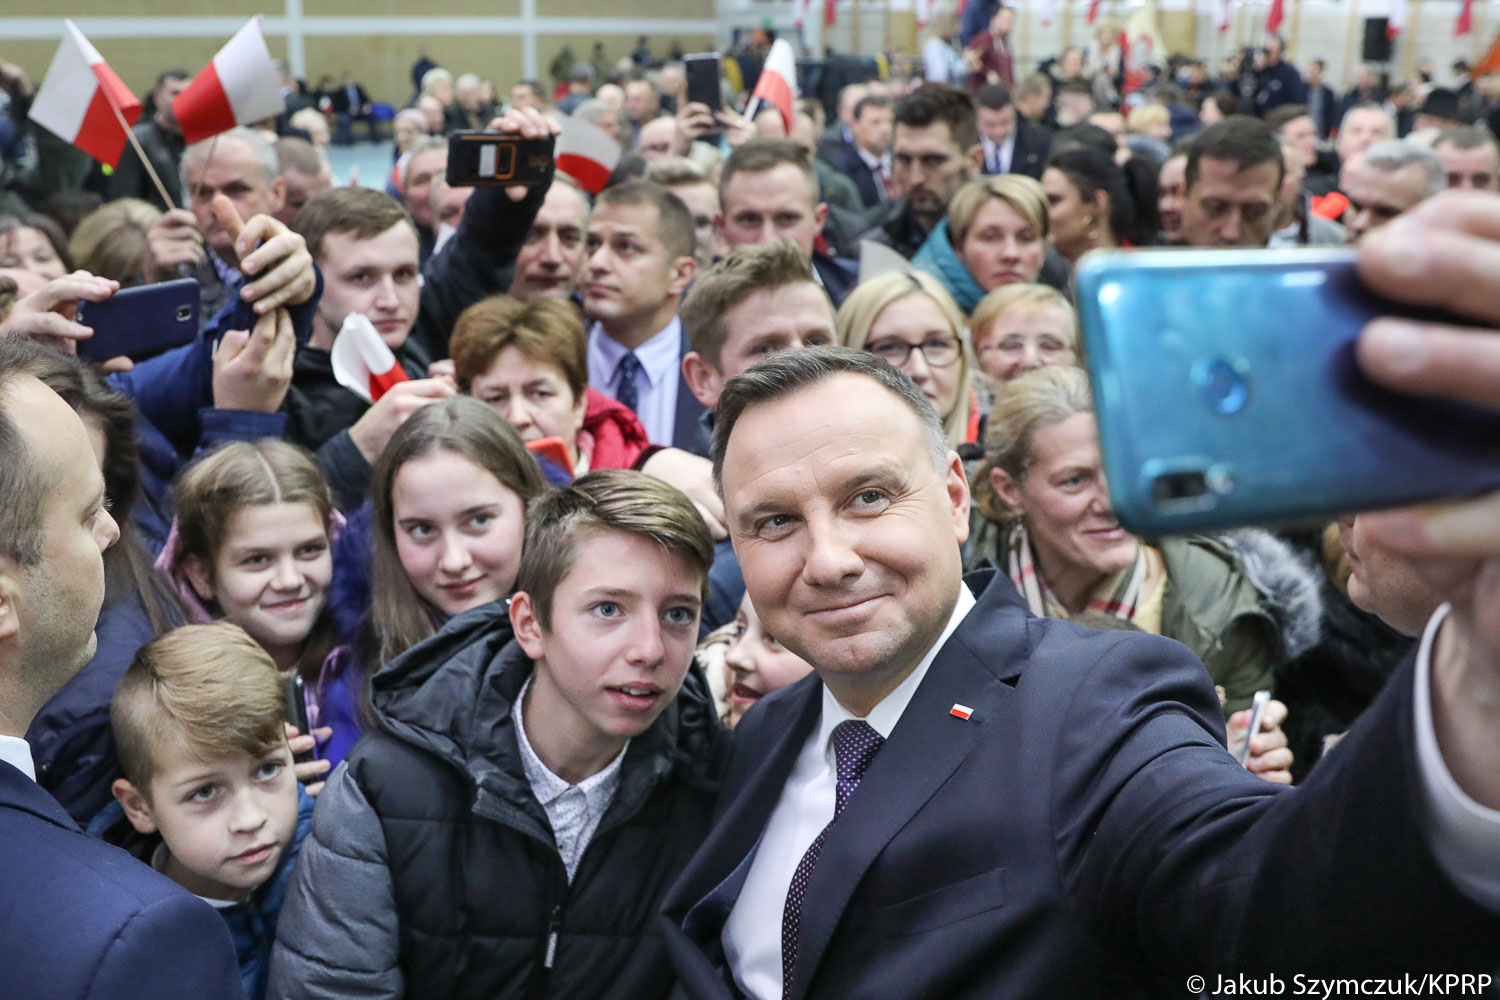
142 321
1228 393
294 693
497 159
703 72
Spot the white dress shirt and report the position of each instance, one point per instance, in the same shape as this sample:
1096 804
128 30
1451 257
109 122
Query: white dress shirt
998 158
752 933
573 810
656 384
1465 836
17 753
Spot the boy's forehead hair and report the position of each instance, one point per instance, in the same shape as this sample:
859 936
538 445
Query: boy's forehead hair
201 691
561 521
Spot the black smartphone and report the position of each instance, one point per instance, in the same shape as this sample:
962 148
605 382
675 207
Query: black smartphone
139 322
295 695
497 159
703 75
1228 393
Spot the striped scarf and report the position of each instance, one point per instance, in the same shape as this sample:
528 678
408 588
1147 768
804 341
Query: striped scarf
1119 594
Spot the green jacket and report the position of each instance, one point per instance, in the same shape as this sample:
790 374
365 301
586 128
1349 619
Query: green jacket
1211 607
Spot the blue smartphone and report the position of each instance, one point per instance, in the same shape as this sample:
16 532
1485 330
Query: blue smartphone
1228 393
142 321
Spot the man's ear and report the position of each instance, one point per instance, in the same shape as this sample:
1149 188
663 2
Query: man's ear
525 624
705 381
198 575
976 159
137 809
719 226
278 195
820 214
1007 490
10 594
958 495
683 269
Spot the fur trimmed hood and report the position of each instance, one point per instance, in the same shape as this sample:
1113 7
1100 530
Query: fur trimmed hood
1287 582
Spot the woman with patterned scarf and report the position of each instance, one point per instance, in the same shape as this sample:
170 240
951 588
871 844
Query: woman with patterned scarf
1242 602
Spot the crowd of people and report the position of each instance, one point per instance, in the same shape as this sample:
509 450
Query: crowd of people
609 652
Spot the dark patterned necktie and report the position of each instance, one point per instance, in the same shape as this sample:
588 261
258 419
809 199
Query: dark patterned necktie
854 745
627 394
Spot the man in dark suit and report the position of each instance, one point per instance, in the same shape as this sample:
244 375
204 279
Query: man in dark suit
965 801
1322 103
79 918
1011 146
839 136
866 160
640 262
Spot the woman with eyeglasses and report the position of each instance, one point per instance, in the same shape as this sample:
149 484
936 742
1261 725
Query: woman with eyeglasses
912 322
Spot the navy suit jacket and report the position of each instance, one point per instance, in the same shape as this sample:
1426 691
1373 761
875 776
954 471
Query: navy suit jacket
1029 156
82 919
690 430
853 166
1083 833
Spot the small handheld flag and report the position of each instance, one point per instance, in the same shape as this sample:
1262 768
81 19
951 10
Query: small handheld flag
362 363
239 87
83 102
586 153
777 85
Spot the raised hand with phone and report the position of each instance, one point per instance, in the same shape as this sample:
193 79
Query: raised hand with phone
1446 252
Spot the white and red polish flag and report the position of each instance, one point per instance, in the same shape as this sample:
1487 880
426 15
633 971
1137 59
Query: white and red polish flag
1465 22
1396 23
923 11
1223 14
586 153
78 97
1049 12
239 87
777 85
362 363
799 13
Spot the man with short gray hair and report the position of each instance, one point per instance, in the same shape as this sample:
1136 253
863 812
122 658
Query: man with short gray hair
245 169
1385 180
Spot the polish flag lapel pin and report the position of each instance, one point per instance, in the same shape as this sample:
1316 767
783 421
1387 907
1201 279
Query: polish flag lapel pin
962 711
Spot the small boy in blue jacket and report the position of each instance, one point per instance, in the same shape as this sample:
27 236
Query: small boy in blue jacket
199 722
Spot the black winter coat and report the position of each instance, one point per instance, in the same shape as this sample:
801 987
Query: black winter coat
469 865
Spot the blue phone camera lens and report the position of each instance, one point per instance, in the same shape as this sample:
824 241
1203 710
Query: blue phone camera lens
1223 386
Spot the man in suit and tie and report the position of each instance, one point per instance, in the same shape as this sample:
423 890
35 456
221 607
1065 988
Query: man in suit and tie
966 801
640 259
1011 146
80 918
866 160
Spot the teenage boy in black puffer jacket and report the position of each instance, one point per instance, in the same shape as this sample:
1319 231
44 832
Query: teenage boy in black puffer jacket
539 778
